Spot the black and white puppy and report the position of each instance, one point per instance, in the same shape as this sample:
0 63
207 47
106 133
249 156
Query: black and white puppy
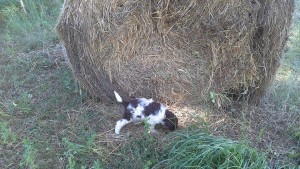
142 109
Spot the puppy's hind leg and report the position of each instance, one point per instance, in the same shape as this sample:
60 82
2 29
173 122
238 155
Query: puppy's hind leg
120 124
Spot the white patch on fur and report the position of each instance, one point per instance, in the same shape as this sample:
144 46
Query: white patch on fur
158 117
118 97
120 124
144 102
138 112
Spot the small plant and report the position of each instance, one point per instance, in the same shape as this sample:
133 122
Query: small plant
295 132
7 136
30 155
140 152
78 155
261 133
212 96
97 165
23 103
73 150
148 164
146 126
244 129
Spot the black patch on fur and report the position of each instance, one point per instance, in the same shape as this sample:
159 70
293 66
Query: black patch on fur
152 108
134 103
125 104
127 115
171 121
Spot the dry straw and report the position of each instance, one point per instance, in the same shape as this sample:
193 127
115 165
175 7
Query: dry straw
175 50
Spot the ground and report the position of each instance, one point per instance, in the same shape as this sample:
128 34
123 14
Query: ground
48 121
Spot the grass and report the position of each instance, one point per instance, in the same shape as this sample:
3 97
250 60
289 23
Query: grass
7 136
30 27
47 121
198 150
5 3
79 155
285 90
30 155
188 149
141 152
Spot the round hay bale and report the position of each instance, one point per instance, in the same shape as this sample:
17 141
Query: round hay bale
175 50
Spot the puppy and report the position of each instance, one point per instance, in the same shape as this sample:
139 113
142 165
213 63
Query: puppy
142 109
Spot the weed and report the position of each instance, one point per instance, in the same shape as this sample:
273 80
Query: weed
24 103
213 96
80 155
294 131
7 136
73 150
90 142
261 133
245 136
140 152
147 126
97 165
30 155
148 164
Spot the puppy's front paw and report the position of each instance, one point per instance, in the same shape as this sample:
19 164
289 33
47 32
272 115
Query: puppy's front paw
117 132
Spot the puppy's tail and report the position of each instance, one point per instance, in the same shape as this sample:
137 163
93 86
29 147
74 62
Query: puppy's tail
118 97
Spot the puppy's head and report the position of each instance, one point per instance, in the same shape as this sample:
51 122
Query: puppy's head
170 121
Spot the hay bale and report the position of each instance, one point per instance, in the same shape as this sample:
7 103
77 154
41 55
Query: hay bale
175 50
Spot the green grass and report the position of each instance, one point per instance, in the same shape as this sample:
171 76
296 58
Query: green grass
141 152
186 149
35 92
80 155
30 27
7 136
198 150
30 155
36 101
5 3
285 91
295 133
